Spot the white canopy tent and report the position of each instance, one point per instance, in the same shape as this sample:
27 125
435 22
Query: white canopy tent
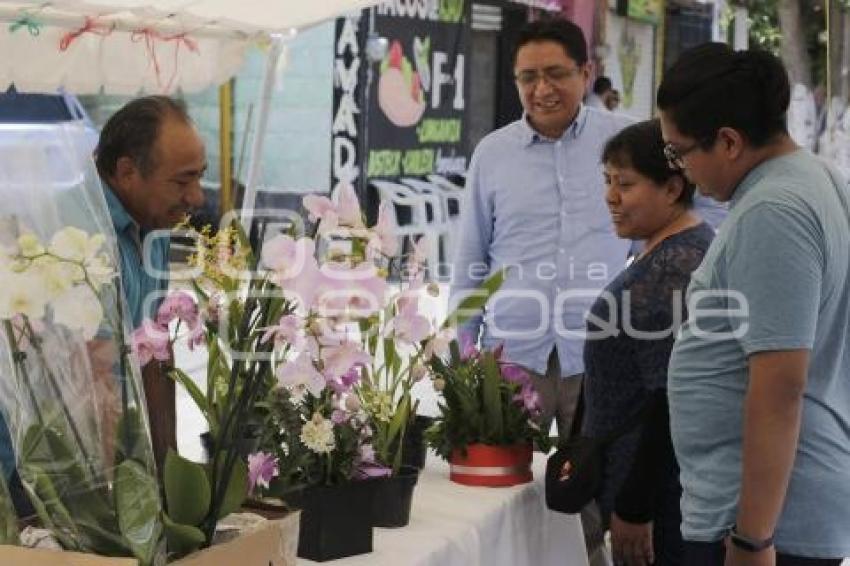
154 46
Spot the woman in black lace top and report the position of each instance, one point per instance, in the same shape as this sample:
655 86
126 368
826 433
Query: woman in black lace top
631 328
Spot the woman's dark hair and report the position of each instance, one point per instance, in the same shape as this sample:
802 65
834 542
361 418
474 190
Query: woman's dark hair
563 32
712 86
132 132
641 147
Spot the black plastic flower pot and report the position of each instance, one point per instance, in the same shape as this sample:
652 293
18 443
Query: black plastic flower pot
415 450
335 520
393 498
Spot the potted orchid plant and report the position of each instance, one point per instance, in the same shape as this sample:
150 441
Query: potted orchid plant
391 337
227 312
487 416
73 400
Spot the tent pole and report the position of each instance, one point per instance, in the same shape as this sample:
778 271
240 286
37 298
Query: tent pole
255 157
225 144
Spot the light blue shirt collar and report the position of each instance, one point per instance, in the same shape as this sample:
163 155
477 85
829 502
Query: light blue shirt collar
531 136
121 219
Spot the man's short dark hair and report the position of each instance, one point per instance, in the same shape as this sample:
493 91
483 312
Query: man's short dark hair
712 86
563 32
132 132
601 85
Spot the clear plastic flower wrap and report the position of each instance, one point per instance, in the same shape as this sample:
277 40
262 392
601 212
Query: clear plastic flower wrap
69 390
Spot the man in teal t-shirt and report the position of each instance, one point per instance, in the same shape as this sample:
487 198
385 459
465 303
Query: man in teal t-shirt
151 160
759 378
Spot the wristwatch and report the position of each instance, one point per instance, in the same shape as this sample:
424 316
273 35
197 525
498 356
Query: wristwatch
749 544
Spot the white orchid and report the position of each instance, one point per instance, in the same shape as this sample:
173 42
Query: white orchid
66 275
77 246
23 293
74 244
30 245
58 276
79 309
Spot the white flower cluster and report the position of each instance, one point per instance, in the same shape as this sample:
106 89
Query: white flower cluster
66 275
317 434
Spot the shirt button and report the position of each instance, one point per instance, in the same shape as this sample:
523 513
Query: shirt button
561 178
562 250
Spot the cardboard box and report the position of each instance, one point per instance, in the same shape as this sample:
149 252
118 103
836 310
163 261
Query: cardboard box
275 543
20 556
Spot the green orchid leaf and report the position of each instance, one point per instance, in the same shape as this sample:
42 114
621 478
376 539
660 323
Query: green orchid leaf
491 391
182 539
53 515
130 436
192 389
8 518
138 506
187 490
237 489
472 304
98 538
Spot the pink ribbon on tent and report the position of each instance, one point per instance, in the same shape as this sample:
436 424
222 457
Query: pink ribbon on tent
150 36
91 26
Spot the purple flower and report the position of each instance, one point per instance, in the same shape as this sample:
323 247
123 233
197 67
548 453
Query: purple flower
180 305
367 467
350 377
529 398
338 416
515 374
467 347
262 467
151 341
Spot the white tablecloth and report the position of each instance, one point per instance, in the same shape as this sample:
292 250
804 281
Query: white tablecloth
456 525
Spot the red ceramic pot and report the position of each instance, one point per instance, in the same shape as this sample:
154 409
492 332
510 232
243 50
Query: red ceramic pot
491 466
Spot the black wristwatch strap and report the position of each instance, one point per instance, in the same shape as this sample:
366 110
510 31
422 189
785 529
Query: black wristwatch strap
748 544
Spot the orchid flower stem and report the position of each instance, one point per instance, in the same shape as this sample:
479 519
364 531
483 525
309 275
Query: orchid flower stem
124 354
19 358
57 391
245 400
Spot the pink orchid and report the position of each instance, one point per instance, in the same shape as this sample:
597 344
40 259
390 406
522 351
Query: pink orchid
287 257
410 326
197 337
151 341
419 257
178 305
348 207
300 376
262 467
438 345
339 360
384 239
287 331
318 206
350 291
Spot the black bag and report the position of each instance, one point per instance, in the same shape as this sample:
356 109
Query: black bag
581 483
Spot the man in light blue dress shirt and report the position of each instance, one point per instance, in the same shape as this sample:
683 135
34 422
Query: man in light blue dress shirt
535 205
